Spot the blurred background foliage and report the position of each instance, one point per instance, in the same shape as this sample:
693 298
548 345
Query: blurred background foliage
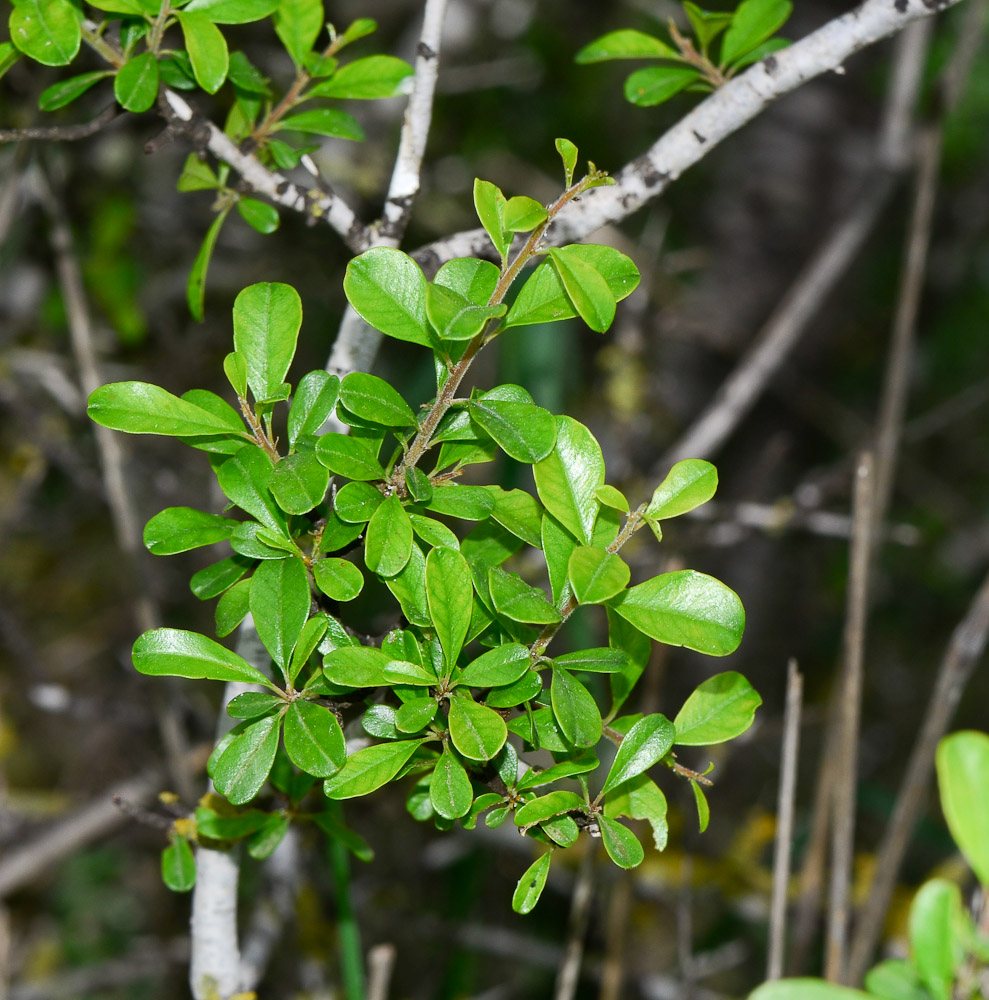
717 253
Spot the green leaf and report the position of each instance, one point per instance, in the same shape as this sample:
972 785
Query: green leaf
575 710
175 70
339 579
248 540
489 204
454 317
259 215
339 534
179 529
568 153
646 88
405 672
369 769
567 478
299 483
561 830
232 608
235 368
719 709
140 408
244 479
707 24
685 608
178 866
531 884
416 714
388 542
472 279
246 763
372 398
388 290
760 52
497 667
232 11
753 23
582 764
648 741
348 456
627 639
806 989
313 402
247 77
473 503
527 687
586 288
688 484
195 289
356 666
66 91
8 57
963 776
519 512
207 50
360 28
703 809
597 575
174 652
48 31
280 606
640 798
522 214
612 498
313 739
515 599
211 581
935 948
624 44
266 319
600 660
525 432
298 24
622 845
324 121
262 843
136 84
450 596
312 632
477 731
449 787
366 79
356 502
252 704
895 979
546 806
409 589
557 545
543 298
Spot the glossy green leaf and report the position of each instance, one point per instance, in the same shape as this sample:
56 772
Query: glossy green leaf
298 483
9 55
753 23
366 79
719 709
348 456
310 637
767 48
136 84
522 214
246 763
140 408
247 77
473 503
622 845
567 478
582 764
244 479
600 660
409 589
388 291
454 317
259 215
685 608
963 776
313 402
338 534
175 70
178 865
531 884
434 533
651 86
449 787
232 607
207 50
280 605
586 288
356 502
489 204
546 806
625 44
526 433
895 979
547 735
497 667
372 398
557 545
48 31
416 714
515 599
356 666
596 575
253 704
266 319
58 95
388 542
688 484
935 948
649 740
324 121
450 596
298 24
640 798
575 710
234 366
313 739
339 579
806 989
251 540
612 498
703 809
175 652
519 512
195 289
369 769
233 11
179 529
405 672
624 637
357 29
524 689
568 154
477 732
213 580
707 24
561 830
472 279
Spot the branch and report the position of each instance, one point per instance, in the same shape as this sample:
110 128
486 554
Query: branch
64 133
712 121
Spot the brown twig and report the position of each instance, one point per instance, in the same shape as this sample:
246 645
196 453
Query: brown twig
616 934
568 975
64 133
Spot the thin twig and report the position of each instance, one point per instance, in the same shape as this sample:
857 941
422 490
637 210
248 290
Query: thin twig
616 934
64 133
685 931
843 812
568 975
380 964
784 820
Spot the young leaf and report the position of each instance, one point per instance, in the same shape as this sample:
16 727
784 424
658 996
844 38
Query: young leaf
299 483
622 845
339 579
136 84
646 88
515 599
298 24
525 432
519 512
624 44
280 605
640 798
369 769
649 740
195 289
454 317
313 402
601 660
534 778
348 456
707 24
895 979
388 542
207 50
174 652
266 319
497 667
233 11
612 498
688 484
575 710
807 989
472 279
235 367
58 95
140 408
557 545
313 739
477 732
753 23
531 884
259 215
449 787
450 596
312 632
48 31
246 763
356 502
366 79
324 121
232 607
178 866
719 709
522 214
568 153
179 529
963 775
388 291
567 478
586 288
685 608
434 533
703 809
597 575
8 57
372 398
489 203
